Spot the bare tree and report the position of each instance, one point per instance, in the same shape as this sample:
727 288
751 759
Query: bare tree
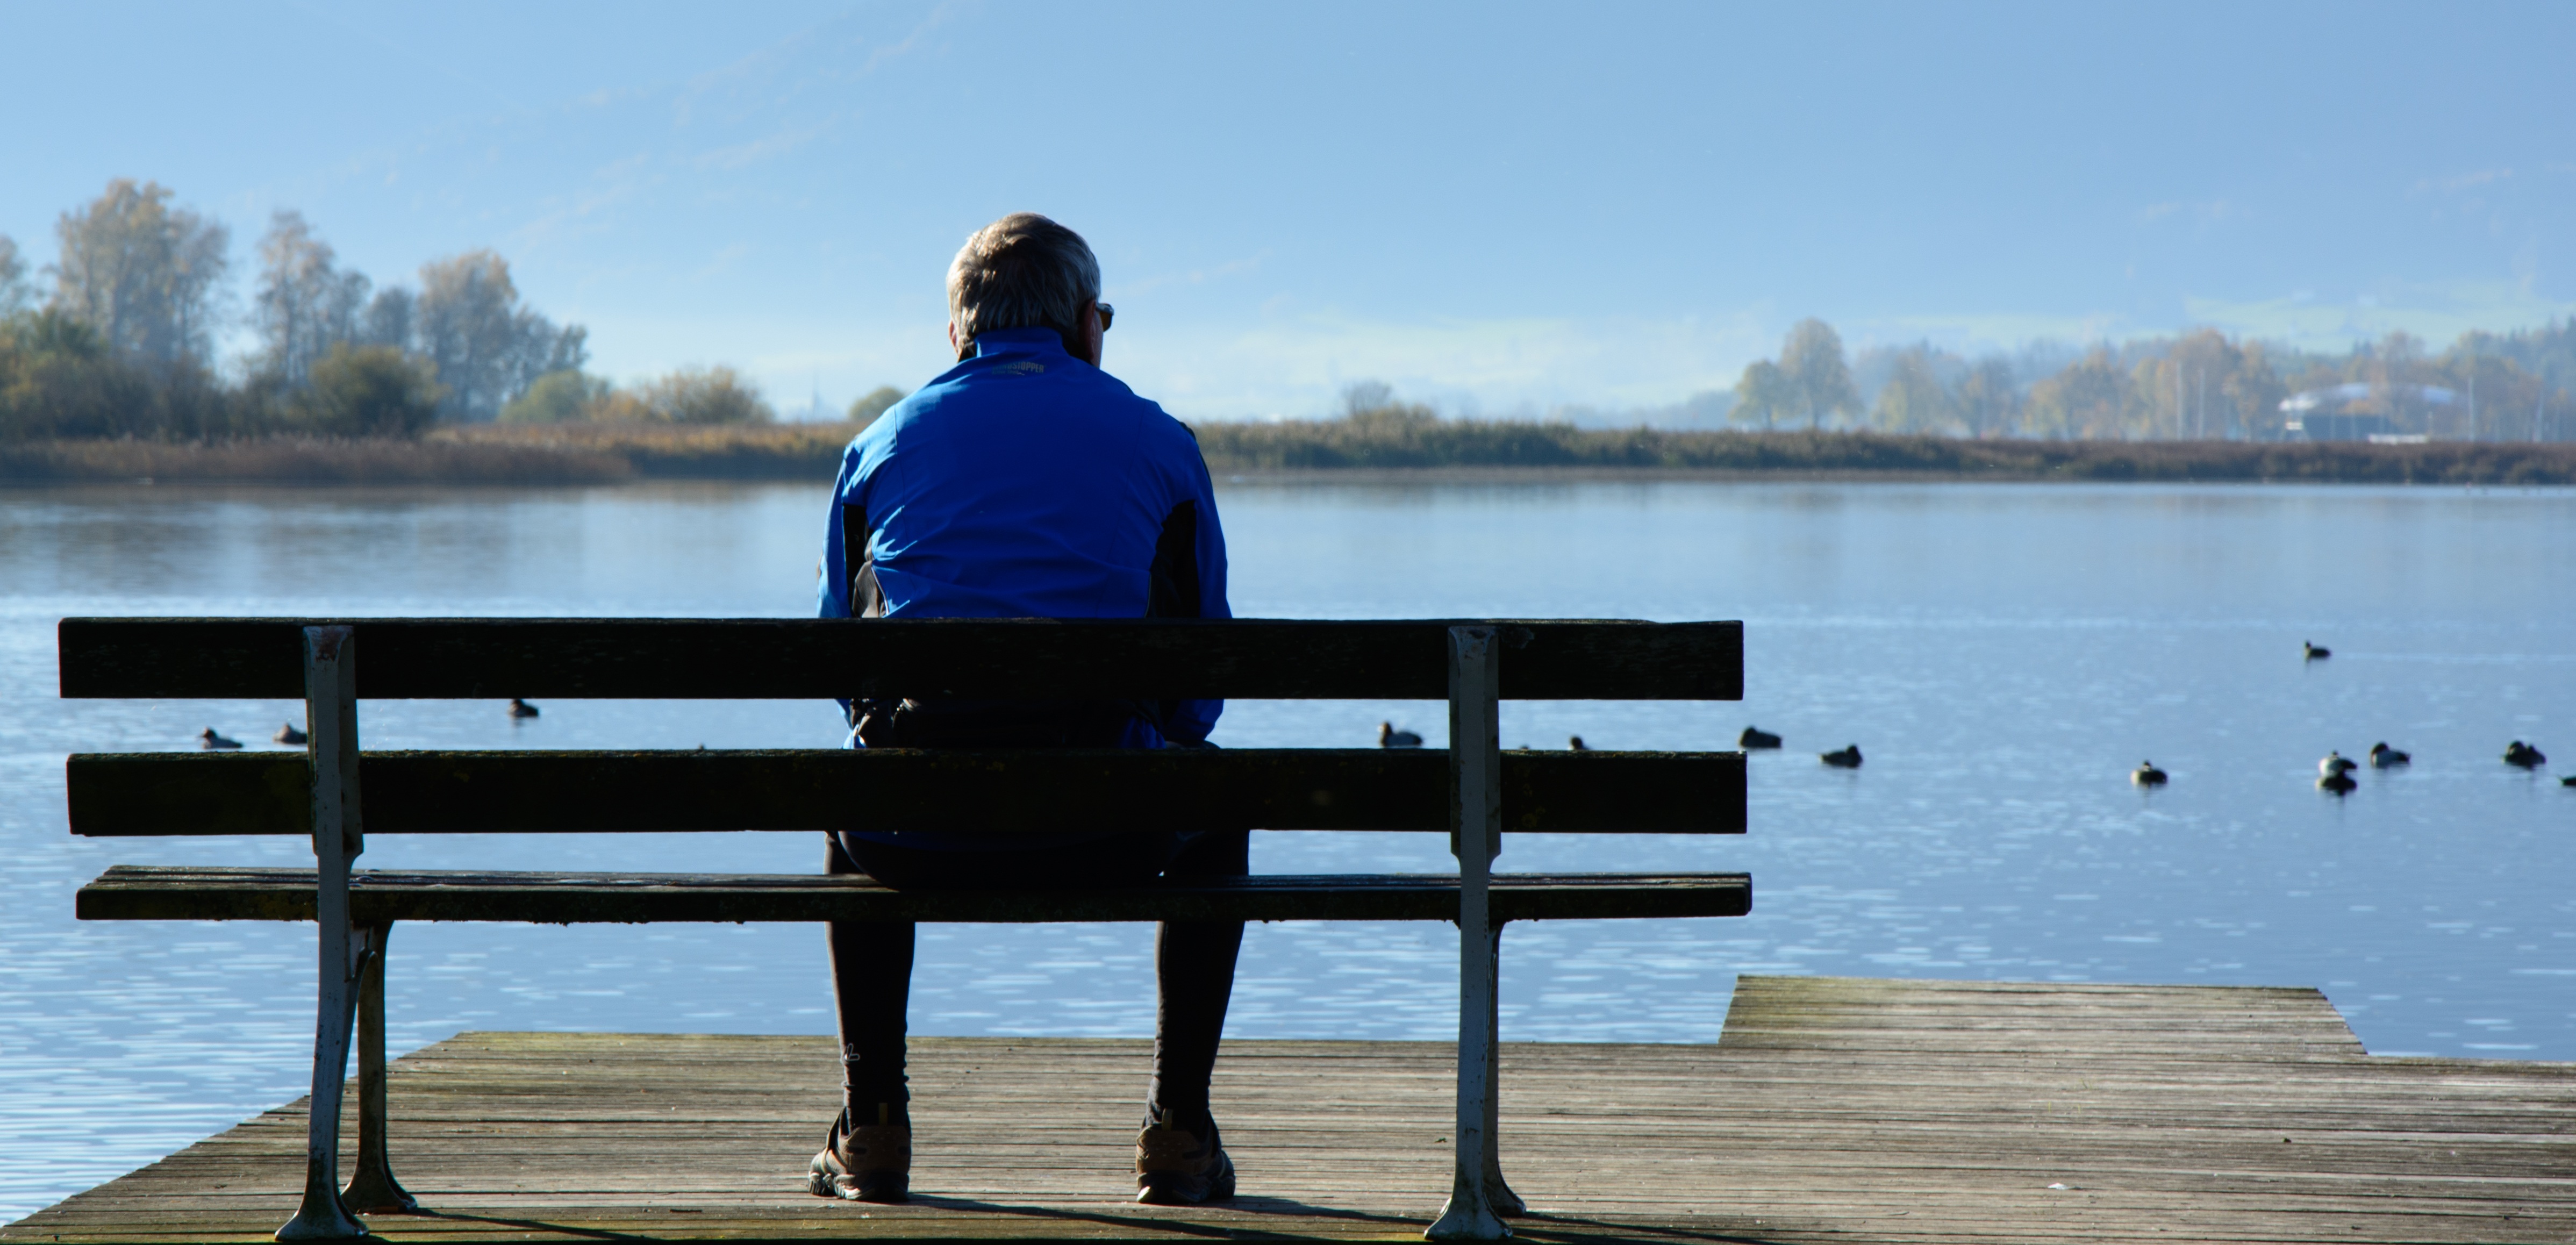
388 318
13 278
1987 397
485 346
1812 363
305 304
1363 396
140 272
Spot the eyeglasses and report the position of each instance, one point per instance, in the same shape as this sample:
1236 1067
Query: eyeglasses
1107 314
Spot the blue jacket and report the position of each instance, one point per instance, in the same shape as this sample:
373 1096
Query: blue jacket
1025 483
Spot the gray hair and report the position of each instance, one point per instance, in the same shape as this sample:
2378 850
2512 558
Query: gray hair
1021 272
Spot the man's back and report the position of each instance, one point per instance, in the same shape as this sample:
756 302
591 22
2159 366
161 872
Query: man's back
1025 483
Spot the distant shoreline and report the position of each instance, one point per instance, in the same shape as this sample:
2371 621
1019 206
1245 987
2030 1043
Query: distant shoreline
1310 452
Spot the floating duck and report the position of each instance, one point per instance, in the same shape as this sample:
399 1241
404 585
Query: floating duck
287 734
2384 757
2315 651
2568 781
1576 742
1389 737
2523 754
214 740
2147 775
1842 758
521 709
2337 782
2336 765
1756 737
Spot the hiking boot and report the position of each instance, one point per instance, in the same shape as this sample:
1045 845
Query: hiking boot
868 1163
1177 1166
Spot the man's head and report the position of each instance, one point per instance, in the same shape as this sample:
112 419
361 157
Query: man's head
1023 272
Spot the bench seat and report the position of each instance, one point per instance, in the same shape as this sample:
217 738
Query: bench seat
197 893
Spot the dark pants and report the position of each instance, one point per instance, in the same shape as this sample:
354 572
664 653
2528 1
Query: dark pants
1193 960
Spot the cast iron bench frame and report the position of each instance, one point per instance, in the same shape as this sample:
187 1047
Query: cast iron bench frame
1475 792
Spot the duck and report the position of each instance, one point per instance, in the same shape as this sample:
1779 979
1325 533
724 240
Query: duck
1756 737
2524 755
2337 782
1576 743
521 709
2336 765
2147 775
1847 757
214 740
1389 737
2384 757
287 734
2315 651
2567 780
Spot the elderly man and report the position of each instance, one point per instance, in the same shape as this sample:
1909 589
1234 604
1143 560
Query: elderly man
1026 482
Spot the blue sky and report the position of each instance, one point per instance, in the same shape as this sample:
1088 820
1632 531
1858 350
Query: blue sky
1497 207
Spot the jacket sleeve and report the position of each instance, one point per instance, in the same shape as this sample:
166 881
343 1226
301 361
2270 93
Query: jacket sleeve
832 586
1193 719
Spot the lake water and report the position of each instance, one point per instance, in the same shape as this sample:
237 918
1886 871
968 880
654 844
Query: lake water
2002 654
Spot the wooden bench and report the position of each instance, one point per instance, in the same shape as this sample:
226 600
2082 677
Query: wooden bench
1474 791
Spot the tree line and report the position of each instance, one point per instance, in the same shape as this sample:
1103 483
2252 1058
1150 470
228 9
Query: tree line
122 344
2200 385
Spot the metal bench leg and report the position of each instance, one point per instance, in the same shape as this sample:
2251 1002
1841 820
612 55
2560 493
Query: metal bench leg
1497 1194
331 714
1475 769
373 1189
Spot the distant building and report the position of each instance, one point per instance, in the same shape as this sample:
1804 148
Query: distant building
2340 427
2361 412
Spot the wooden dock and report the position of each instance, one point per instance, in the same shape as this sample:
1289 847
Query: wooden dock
1839 1110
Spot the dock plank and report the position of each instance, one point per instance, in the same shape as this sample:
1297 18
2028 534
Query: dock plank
1831 1110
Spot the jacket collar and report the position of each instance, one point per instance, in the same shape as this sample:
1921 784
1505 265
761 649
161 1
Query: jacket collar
1019 341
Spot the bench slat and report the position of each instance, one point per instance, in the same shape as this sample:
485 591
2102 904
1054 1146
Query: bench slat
168 793
767 658
196 893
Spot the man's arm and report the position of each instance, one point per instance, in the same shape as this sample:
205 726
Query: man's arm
832 591
1189 721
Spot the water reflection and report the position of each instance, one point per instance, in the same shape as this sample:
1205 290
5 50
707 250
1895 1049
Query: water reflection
2003 655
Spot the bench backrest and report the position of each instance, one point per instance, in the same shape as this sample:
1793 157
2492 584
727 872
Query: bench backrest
810 789
762 658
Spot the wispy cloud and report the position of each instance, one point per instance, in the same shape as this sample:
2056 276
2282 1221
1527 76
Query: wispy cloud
2205 213
2463 181
1246 266
2436 313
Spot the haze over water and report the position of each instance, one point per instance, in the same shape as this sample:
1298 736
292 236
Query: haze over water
2002 654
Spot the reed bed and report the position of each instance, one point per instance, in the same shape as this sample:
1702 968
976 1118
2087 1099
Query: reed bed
308 460
1415 444
609 453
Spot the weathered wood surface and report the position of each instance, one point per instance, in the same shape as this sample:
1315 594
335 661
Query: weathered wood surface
1833 1111
721 659
557 792
215 893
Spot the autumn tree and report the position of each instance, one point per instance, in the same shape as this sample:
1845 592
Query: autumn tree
875 402
483 344
305 304
142 273
366 391
1812 363
691 395
1762 393
1913 399
14 292
1988 399
2091 399
558 398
